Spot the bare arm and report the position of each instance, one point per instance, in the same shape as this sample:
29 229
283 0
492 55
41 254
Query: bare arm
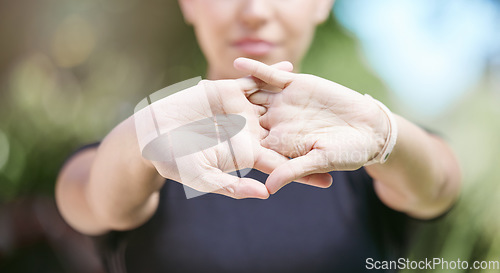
115 188
109 188
421 177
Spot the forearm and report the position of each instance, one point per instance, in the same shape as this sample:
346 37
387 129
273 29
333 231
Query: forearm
421 176
123 187
70 194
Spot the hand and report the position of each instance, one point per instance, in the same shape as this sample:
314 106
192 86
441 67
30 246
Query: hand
196 154
322 125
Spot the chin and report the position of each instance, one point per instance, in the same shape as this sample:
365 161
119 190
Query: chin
267 59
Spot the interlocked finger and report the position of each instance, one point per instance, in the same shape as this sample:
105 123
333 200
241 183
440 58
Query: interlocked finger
263 98
266 73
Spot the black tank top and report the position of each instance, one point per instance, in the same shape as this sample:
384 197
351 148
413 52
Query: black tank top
299 229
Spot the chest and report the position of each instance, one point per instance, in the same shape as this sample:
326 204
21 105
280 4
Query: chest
300 229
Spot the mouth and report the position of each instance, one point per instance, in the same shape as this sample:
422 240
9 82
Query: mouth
254 47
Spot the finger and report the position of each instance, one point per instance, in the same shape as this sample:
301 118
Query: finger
260 110
285 66
251 84
268 160
248 85
266 73
265 122
296 168
263 133
261 98
235 187
320 180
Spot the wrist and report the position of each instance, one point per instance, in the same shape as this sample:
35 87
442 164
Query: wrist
390 133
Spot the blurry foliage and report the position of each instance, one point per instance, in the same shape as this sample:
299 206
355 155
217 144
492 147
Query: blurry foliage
471 231
71 70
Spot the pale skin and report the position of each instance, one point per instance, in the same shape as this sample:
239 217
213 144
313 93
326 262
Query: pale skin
115 188
326 127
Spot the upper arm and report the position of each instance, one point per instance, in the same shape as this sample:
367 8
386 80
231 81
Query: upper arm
71 193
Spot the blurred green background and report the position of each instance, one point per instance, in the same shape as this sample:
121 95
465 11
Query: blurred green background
71 70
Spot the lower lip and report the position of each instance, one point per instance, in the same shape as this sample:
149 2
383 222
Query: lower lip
255 48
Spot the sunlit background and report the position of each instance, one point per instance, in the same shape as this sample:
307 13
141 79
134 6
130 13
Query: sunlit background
70 70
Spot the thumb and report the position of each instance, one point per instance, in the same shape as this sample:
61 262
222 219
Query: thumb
268 160
309 169
235 187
